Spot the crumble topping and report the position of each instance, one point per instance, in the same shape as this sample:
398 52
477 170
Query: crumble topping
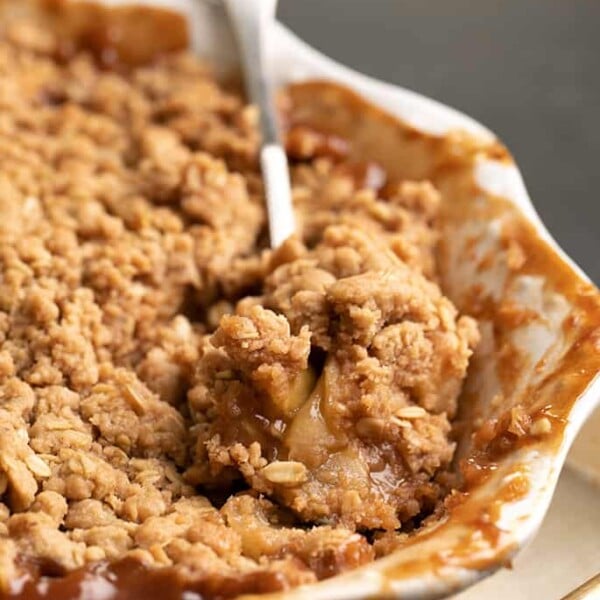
361 442
171 390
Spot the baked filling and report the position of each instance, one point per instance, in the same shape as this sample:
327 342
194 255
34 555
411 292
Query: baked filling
171 390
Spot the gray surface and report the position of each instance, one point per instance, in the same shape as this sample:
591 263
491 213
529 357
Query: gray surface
528 69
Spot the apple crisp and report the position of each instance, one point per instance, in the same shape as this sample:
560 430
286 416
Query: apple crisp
173 391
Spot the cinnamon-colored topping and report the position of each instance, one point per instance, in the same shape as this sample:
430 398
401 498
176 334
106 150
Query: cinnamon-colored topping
371 427
173 393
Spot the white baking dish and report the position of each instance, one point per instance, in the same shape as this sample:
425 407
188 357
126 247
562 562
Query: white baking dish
558 364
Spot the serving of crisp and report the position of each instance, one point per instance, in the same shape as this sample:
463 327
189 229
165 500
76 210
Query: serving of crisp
176 393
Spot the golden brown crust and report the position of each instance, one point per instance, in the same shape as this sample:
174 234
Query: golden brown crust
361 441
154 354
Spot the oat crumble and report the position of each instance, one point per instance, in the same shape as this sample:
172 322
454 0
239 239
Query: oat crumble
173 391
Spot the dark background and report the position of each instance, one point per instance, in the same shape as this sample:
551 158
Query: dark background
528 69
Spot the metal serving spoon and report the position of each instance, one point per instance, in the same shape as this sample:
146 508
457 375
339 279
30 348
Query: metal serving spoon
251 21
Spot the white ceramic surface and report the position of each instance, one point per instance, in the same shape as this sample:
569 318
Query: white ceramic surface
519 519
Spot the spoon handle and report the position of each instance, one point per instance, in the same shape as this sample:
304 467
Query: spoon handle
251 20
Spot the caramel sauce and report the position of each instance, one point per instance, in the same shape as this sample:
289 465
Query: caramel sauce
133 35
130 580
